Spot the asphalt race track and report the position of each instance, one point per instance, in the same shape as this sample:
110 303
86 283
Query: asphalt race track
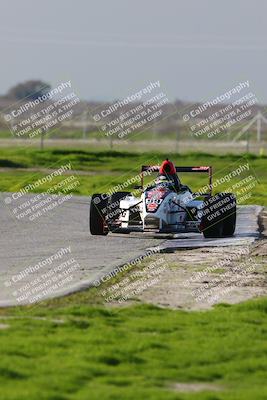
52 253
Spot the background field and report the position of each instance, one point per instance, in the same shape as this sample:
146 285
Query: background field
99 171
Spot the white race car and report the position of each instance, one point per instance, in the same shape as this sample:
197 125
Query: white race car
165 206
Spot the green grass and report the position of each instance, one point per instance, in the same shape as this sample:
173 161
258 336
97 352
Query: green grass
110 168
83 350
218 271
132 353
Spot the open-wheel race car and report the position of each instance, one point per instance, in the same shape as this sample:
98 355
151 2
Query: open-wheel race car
165 205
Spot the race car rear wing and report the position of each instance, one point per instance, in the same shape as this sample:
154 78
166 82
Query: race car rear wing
155 168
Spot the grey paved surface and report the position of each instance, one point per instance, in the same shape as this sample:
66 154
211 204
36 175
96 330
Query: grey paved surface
30 244
25 243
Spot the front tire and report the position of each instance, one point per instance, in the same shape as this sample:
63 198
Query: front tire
219 216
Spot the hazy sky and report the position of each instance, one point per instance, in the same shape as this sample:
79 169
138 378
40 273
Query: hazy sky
110 49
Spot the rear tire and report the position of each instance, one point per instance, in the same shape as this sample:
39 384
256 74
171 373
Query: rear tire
219 219
97 223
230 221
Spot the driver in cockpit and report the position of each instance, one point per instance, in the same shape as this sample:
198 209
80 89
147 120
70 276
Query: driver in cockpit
167 173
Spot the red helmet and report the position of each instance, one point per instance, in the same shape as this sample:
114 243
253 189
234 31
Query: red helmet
167 168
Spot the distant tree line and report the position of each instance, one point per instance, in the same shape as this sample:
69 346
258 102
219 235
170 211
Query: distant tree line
30 89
